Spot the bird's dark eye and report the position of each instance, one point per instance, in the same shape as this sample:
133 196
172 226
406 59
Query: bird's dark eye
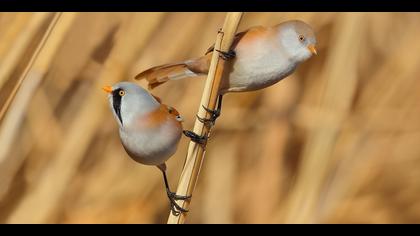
121 93
301 38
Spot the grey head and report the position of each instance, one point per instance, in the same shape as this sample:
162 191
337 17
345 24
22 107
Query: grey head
298 39
128 101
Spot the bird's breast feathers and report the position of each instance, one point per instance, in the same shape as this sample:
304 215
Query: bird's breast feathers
258 67
154 138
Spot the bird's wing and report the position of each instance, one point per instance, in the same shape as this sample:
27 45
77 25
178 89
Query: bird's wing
239 36
160 74
158 117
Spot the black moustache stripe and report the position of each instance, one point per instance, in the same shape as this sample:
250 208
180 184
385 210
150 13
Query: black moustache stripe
116 103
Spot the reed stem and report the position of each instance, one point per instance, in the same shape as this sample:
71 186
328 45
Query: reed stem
195 155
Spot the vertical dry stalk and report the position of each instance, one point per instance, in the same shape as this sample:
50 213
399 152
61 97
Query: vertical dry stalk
13 118
13 47
340 89
44 198
31 63
31 77
196 153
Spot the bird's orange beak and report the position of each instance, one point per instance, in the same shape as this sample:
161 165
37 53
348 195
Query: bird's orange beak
312 48
107 89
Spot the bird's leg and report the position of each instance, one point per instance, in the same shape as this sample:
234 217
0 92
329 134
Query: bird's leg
214 114
202 140
175 208
227 55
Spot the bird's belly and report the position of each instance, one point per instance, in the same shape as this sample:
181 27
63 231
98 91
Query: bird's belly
151 147
257 73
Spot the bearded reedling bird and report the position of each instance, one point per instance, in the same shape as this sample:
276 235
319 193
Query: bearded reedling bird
149 130
261 56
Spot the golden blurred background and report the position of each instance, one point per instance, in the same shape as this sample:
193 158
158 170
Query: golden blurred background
336 142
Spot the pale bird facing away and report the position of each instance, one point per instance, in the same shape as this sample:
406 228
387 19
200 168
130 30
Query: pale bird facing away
260 57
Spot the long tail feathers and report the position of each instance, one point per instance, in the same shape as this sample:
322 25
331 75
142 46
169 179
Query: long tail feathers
158 75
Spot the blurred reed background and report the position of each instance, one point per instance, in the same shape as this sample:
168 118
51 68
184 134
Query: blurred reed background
336 142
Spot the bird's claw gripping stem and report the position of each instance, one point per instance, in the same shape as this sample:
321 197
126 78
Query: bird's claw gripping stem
175 208
202 140
214 114
227 55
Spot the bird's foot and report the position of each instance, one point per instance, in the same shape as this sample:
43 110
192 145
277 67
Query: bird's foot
214 113
227 55
209 122
175 208
202 140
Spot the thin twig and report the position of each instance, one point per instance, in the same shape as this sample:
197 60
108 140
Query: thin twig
196 152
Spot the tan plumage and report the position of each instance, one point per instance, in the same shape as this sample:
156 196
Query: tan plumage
264 56
158 75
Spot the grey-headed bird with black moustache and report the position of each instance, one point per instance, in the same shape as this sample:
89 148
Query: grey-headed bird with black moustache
149 130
